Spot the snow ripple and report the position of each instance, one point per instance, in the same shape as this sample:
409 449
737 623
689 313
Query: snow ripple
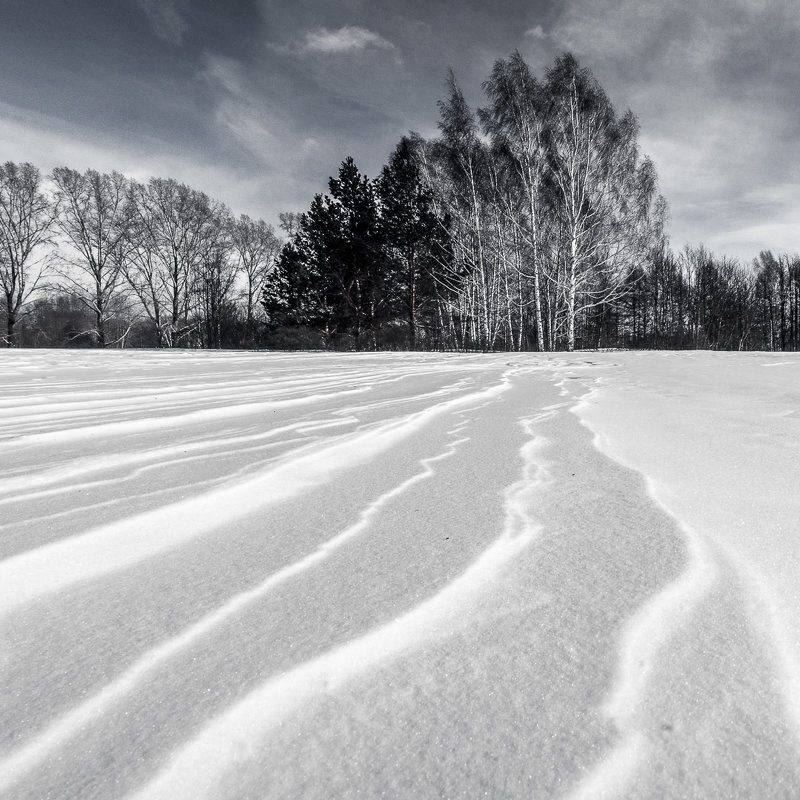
15 766
235 736
56 566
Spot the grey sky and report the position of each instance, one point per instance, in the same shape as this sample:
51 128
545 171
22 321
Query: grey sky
257 102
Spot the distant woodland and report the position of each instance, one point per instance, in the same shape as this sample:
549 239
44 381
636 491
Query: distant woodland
531 223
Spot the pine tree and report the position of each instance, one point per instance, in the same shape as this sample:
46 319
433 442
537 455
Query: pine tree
412 234
354 250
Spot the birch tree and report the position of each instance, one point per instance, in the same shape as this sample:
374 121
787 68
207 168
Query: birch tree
465 158
603 190
516 120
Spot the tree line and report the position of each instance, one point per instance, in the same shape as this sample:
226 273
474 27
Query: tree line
530 223
696 300
100 259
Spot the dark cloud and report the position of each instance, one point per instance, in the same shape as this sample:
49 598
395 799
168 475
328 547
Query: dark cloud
259 101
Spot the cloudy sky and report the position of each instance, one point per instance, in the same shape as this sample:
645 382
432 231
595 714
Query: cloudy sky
257 102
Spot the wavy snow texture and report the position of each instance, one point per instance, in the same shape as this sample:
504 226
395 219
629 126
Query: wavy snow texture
255 481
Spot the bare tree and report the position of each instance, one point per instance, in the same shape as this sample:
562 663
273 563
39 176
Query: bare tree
290 222
174 230
256 249
94 216
26 218
214 287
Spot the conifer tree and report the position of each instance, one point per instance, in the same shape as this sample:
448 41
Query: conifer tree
412 233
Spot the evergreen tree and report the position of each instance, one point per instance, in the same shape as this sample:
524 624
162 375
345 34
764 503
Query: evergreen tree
335 267
301 290
412 233
354 250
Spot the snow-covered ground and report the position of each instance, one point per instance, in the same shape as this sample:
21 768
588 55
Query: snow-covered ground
399 575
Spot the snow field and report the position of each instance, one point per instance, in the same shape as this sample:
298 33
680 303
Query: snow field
400 575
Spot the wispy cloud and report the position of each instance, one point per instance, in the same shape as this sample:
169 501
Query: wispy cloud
49 142
346 39
261 124
536 32
166 19
238 109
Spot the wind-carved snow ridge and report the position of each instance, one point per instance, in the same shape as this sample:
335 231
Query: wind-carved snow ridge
12 490
158 423
772 621
14 767
180 455
643 637
235 736
55 566
653 625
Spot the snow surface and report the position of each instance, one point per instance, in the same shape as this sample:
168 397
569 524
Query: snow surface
241 575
